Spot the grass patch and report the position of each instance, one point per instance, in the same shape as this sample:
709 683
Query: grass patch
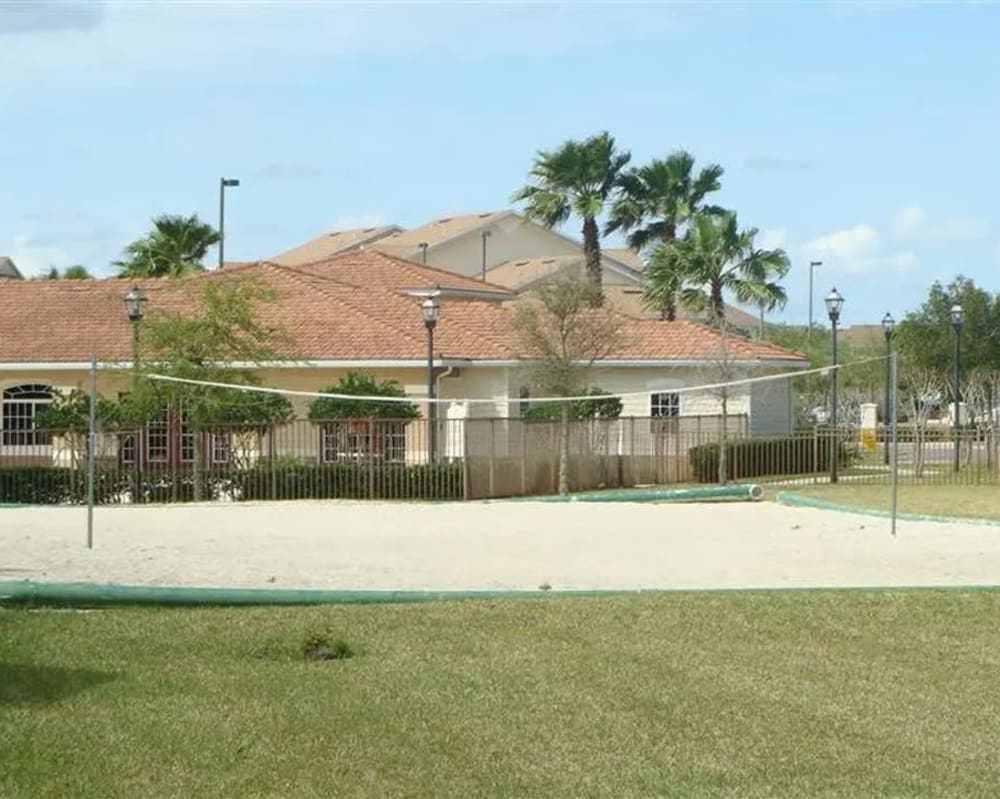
818 694
968 501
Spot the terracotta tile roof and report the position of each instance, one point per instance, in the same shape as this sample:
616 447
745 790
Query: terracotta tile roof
330 244
520 272
372 268
323 314
406 243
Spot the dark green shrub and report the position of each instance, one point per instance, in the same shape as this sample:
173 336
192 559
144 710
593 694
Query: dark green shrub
760 457
58 485
352 481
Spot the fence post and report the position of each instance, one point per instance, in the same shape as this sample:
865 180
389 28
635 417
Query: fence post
371 458
272 461
466 470
493 456
633 471
524 459
815 457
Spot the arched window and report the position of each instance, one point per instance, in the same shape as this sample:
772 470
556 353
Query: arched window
20 404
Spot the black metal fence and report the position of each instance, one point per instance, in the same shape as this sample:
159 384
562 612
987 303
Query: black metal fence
473 459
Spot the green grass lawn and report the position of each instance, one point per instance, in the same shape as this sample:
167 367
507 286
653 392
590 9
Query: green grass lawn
969 501
806 694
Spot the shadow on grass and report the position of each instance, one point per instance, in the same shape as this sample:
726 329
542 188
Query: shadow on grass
28 684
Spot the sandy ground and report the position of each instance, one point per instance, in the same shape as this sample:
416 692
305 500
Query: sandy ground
491 545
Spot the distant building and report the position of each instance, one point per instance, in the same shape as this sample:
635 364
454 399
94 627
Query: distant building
9 270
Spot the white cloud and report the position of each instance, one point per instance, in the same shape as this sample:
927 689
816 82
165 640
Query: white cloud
857 250
773 239
352 221
848 244
913 225
897 262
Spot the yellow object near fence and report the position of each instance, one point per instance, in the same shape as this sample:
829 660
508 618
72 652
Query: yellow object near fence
869 441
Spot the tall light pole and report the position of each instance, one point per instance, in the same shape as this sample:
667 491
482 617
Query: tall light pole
812 269
486 234
888 325
431 309
135 307
224 183
834 302
957 320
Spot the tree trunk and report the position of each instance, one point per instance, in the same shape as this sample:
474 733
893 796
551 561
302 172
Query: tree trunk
669 310
592 251
717 307
564 449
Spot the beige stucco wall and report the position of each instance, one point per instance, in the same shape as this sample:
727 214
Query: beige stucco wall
510 239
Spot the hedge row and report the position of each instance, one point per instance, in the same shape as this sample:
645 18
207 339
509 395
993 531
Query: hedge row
760 457
55 485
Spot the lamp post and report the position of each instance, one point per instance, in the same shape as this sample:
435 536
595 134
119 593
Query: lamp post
812 269
957 320
888 325
224 183
834 302
431 309
135 307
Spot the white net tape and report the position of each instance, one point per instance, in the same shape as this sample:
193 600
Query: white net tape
704 387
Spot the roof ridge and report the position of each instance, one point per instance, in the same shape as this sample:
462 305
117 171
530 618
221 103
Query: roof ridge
438 270
305 280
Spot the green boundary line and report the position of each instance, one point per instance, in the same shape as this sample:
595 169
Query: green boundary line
87 595
798 500
748 491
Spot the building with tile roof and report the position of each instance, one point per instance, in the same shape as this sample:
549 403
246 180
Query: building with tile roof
360 310
9 270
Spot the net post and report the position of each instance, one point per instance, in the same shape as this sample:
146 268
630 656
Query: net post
895 440
91 451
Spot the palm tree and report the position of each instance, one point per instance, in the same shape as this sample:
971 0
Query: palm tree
714 258
578 178
176 246
656 200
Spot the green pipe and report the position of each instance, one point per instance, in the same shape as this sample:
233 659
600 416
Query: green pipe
89 595
708 493
97 594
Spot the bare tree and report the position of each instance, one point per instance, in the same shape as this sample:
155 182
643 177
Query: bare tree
721 372
980 393
921 389
561 334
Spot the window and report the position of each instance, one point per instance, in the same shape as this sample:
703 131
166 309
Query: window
357 440
219 447
158 438
665 405
20 406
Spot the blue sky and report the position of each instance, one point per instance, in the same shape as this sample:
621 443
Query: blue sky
865 135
